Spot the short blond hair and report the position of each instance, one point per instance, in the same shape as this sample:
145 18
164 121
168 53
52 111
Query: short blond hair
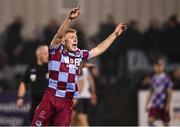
70 30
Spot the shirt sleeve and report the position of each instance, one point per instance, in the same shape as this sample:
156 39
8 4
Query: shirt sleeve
86 55
53 50
25 76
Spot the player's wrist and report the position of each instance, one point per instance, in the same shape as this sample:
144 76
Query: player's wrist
20 97
70 19
115 34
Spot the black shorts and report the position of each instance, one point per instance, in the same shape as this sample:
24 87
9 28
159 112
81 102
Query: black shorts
82 106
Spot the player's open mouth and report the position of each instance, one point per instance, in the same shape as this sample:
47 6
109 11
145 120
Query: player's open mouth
74 45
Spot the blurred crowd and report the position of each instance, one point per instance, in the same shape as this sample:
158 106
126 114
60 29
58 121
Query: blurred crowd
134 47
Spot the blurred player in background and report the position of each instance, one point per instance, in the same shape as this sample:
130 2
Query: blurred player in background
65 60
160 95
87 92
35 76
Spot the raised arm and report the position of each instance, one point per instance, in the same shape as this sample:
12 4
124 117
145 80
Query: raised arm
74 13
104 45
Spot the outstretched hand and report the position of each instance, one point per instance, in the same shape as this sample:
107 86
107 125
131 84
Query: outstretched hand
74 13
120 28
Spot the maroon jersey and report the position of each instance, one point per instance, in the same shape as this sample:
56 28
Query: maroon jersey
63 70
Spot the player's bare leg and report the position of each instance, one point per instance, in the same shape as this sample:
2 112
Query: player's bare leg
83 119
151 121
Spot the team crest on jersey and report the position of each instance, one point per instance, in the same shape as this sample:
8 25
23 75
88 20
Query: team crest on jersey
33 77
78 54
